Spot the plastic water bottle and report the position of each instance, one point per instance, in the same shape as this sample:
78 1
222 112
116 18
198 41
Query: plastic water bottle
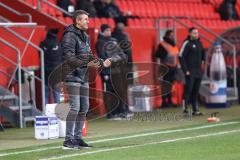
62 98
218 79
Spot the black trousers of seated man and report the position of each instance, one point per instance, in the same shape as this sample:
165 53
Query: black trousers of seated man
191 91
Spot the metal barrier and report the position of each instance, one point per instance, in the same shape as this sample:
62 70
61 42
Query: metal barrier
39 7
16 12
18 67
27 41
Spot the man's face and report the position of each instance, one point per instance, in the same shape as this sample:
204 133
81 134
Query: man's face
107 32
194 34
82 22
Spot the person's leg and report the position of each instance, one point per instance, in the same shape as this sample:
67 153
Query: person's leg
84 107
170 79
46 95
195 91
107 100
56 95
187 91
119 86
81 117
74 102
165 96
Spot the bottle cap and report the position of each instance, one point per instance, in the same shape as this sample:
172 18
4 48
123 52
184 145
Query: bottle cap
217 43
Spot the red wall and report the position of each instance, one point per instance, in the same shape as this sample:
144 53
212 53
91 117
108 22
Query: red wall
30 58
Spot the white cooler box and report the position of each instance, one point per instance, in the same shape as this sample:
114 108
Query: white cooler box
51 111
46 127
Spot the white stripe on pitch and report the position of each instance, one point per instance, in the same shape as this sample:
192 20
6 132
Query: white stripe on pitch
141 145
125 137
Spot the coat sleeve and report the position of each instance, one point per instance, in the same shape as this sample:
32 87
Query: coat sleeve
100 50
68 45
182 56
161 52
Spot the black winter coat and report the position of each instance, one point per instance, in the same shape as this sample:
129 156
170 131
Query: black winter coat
107 47
76 48
191 56
52 53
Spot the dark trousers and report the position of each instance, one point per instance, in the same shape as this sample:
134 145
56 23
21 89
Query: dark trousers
238 84
191 90
169 77
112 107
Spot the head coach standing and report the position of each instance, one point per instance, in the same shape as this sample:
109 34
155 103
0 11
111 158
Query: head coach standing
76 49
191 57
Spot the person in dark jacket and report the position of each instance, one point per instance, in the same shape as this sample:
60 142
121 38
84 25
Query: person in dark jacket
107 47
52 58
108 9
86 5
125 44
67 5
122 37
191 57
76 48
227 10
167 53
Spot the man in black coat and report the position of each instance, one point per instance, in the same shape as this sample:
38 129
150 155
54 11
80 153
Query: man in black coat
52 58
191 57
107 47
76 50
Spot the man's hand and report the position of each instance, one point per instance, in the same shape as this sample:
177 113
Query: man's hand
187 73
94 64
107 63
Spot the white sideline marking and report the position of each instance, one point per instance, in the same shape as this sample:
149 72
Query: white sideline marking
125 137
141 145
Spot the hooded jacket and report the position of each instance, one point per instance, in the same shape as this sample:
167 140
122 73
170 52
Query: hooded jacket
52 52
76 49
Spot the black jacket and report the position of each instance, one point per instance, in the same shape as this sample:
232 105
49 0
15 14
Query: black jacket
107 10
87 6
52 53
191 56
107 47
123 38
76 49
161 52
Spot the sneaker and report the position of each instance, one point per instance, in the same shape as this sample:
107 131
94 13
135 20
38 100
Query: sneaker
129 114
197 113
82 144
114 117
185 111
70 144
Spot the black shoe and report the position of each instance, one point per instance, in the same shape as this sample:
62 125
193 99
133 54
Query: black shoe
185 111
165 105
70 144
197 113
82 144
114 117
